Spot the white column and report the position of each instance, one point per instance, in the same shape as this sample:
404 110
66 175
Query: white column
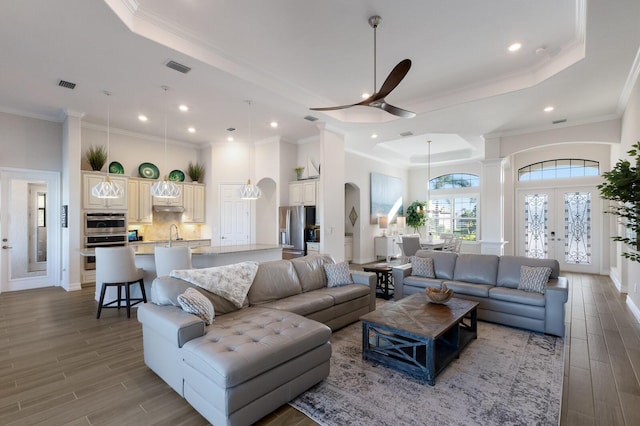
71 197
492 207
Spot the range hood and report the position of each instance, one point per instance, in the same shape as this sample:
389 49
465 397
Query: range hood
168 209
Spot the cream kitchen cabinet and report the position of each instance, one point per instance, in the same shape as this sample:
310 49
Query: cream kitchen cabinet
303 193
89 202
177 201
194 203
140 209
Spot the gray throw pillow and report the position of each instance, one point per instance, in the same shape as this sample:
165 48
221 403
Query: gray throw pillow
422 267
196 303
338 274
534 278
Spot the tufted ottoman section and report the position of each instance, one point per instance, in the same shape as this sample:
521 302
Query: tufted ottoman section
251 354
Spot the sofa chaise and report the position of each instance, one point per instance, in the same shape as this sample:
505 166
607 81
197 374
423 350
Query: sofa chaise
254 358
493 282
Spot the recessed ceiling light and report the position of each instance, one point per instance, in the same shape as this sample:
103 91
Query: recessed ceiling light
230 139
183 108
549 109
191 129
274 124
374 136
142 118
515 47
365 95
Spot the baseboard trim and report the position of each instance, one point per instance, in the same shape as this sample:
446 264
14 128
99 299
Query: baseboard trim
634 309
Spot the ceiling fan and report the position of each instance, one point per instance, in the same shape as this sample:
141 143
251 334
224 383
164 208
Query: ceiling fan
377 100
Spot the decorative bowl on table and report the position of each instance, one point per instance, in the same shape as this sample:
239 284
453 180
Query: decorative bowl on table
438 295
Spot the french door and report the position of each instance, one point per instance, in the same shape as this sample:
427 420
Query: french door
562 223
234 216
29 229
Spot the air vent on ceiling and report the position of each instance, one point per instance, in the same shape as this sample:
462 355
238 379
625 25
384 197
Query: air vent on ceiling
231 129
178 67
310 118
67 84
405 134
564 120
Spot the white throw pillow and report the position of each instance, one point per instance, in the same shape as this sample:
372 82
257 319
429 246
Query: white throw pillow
338 274
196 303
534 278
422 267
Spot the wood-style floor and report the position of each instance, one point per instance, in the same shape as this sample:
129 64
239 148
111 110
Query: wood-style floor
59 365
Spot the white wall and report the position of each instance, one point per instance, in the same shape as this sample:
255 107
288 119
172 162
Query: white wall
357 172
629 272
30 143
131 150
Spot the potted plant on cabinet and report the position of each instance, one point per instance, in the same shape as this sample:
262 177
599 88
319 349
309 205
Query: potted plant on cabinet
415 219
196 171
622 186
299 171
96 157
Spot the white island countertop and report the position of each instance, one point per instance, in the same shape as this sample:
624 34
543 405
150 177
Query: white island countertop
201 250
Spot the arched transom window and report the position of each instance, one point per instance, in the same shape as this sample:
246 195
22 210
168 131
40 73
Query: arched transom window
559 169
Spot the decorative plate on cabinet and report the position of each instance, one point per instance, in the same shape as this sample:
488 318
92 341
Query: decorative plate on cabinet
149 171
116 168
176 176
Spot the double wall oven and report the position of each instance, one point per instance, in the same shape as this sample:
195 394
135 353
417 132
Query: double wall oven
107 229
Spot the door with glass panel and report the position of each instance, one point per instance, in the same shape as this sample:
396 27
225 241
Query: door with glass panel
562 224
29 227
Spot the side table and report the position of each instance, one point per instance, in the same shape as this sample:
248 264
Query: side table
384 284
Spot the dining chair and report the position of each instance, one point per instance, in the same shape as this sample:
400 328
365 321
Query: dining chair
410 245
169 258
116 267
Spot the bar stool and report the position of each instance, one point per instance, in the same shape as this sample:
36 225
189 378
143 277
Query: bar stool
116 267
169 258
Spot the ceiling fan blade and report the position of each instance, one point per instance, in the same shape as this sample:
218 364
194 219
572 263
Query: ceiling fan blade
395 77
396 111
333 108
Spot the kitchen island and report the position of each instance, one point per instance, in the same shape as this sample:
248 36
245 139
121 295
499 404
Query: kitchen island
202 257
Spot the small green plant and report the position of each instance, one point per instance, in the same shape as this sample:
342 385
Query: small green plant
96 156
196 171
416 219
299 171
622 185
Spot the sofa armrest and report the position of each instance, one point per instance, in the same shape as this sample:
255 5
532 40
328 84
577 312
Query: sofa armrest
171 322
367 278
556 295
399 274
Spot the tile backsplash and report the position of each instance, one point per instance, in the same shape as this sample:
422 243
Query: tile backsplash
159 230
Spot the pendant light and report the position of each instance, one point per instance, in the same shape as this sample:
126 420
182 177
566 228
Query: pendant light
250 191
165 188
107 188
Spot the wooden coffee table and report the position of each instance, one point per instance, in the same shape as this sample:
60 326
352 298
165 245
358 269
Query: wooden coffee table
417 337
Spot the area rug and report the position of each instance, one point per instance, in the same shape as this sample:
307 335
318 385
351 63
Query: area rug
507 376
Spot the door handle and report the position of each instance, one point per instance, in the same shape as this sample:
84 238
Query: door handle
6 247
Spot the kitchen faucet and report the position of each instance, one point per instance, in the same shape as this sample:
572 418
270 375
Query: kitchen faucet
170 234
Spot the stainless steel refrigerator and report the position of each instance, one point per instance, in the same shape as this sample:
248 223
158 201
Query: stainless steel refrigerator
293 223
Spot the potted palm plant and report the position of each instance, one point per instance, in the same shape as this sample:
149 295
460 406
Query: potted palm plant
196 171
96 157
622 186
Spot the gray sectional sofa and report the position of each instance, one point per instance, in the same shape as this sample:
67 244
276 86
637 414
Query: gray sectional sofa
492 281
253 359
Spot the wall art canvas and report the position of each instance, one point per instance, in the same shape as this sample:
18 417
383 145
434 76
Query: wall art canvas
386 197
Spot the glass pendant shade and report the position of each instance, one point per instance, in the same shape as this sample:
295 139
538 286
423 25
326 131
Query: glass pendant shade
165 189
250 191
107 188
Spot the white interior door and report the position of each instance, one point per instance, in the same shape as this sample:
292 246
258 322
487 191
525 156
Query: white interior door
234 216
29 230
562 223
